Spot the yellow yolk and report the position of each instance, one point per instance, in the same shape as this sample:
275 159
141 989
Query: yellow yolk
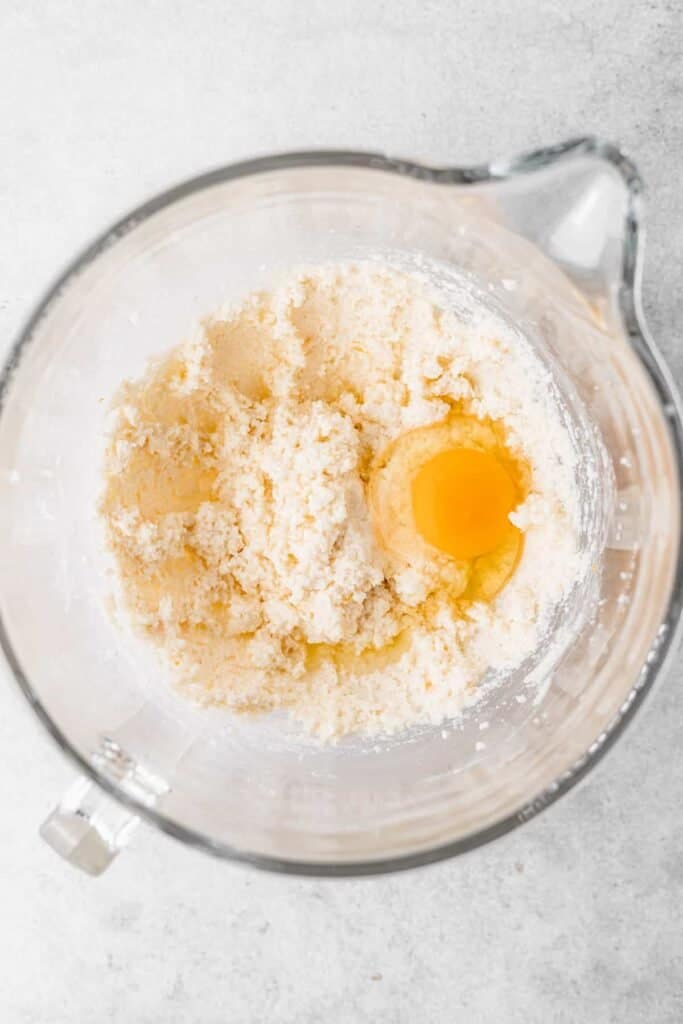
461 500
441 496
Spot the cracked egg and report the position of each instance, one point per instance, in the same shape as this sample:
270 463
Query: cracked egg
443 494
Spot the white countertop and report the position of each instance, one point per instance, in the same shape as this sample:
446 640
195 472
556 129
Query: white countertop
574 917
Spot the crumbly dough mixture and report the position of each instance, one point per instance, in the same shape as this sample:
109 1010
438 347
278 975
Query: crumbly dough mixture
236 502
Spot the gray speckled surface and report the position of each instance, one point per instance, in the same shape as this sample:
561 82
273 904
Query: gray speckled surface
575 917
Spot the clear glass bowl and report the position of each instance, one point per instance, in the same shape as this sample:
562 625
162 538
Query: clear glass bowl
552 239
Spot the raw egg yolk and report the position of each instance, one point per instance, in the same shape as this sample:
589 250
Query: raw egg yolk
461 501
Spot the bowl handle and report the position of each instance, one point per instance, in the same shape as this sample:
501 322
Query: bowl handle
88 828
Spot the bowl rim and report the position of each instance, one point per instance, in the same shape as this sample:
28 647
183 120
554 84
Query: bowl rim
630 303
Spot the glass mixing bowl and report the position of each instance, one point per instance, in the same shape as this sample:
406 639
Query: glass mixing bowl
552 239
